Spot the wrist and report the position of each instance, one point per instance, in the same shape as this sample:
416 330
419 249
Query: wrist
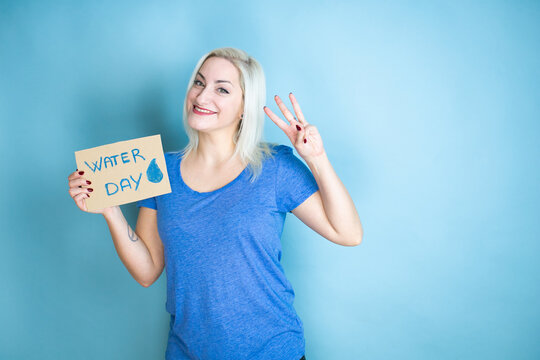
110 212
317 163
317 160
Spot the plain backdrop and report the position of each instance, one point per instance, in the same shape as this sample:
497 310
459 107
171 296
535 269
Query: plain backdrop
429 112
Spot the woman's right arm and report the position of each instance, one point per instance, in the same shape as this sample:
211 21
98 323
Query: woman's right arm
141 251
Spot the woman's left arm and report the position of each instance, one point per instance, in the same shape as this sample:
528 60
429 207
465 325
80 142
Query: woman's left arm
330 211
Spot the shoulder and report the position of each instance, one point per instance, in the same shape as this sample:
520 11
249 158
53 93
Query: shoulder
277 154
280 151
284 158
173 153
170 156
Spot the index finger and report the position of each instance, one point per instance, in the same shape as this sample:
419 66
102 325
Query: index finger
276 119
75 175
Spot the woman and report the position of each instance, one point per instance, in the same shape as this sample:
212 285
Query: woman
218 231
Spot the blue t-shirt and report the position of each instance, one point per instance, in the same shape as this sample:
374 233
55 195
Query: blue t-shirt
226 290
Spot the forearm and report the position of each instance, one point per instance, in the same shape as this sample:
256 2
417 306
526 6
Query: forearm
130 248
337 202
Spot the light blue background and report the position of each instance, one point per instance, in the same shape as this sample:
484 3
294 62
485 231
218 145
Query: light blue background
429 112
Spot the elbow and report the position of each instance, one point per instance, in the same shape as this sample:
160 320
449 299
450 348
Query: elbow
359 237
349 241
147 283
354 236
355 239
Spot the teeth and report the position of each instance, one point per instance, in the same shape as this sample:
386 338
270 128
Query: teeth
204 111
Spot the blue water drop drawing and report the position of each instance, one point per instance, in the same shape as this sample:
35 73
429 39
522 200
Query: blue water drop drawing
153 173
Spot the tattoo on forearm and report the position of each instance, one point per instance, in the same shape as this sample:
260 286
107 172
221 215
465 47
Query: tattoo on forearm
132 236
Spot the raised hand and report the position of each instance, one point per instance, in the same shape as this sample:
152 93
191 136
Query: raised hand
304 136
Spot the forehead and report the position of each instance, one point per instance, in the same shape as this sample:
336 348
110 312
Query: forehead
216 68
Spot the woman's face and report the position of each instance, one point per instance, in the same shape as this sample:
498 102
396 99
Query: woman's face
214 101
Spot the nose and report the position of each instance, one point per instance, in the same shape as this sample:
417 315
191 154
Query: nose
203 96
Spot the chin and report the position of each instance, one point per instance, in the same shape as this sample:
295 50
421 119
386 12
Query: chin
197 126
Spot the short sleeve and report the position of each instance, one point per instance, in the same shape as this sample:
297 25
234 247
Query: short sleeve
149 203
294 181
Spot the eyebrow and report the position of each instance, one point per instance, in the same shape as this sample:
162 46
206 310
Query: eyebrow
217 81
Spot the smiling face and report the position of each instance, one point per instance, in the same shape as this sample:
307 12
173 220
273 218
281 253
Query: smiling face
215 100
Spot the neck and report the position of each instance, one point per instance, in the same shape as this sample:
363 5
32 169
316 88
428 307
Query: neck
214 149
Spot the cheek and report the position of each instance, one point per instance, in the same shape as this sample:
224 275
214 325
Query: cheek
231 109
233 106
191 95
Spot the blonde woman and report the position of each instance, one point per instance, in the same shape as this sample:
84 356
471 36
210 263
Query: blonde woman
218 232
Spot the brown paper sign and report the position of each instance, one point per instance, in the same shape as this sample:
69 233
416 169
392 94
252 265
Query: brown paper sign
124 171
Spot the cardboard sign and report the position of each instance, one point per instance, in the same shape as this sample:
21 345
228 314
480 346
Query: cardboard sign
124 171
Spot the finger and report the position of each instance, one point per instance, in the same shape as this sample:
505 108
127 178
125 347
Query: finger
76 191
81 196
80 182
288 115
75 175
80 201
276 119
297 110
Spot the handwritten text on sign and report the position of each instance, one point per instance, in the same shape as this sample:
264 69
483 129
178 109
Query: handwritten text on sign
125 171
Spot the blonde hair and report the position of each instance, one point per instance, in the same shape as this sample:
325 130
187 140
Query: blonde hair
249 146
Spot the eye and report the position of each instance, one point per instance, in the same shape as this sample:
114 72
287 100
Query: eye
223 91
198 83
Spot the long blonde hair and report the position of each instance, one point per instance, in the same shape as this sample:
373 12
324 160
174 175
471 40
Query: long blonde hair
248 139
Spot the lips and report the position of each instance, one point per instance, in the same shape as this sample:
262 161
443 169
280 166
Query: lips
202 111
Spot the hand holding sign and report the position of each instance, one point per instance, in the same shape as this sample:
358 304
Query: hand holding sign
120 173
79 189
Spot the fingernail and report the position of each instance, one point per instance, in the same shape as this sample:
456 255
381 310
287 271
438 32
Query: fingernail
88 182
90 189
305 141
298 128
81 172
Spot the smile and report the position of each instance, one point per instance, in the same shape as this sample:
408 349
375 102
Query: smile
202 111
